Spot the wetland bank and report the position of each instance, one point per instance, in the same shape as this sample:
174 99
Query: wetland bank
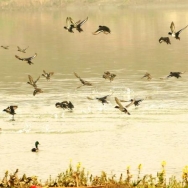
97 135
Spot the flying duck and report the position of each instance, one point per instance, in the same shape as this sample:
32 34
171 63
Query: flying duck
28 59
65 105
136 102
173 33
165 39
148 76
47 75
22 50
103 29
69 26
84 83
31 82
109 76
121 108
11 110
36 147
78 24
5 47
175 74
37 91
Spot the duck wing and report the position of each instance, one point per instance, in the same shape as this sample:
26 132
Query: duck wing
76 75
51 73
118 102
19 49
181 30
30 79
81 22
13 107
90 98
132 102
32 57
172 27
37 80
44 72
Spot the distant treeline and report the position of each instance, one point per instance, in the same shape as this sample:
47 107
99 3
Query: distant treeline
16 4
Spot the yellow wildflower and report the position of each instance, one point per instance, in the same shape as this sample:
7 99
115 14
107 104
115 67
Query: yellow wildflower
163 163
128 167
140 166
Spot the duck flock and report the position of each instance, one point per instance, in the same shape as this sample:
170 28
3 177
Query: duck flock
71 25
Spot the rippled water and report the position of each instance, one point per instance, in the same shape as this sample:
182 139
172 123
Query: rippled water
100 137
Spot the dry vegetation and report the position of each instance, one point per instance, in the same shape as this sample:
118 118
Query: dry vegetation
78 177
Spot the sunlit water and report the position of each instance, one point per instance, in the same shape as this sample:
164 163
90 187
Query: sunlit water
99 136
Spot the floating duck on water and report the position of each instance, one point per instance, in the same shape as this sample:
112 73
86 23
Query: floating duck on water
36 147
69 26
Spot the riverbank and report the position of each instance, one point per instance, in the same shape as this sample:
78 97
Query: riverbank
63 4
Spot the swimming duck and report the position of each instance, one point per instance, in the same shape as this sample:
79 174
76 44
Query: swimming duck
78 24
175 74
22 50
31 82
37 91
148 76
36 147
103 29
47 75
121 108
109 76
84 83
165 39
65 105
173 33
69 26
11 110
5 47
28 59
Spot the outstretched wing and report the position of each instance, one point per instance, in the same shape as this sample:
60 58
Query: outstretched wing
13 107
19 57
181 30
76 75
132 102
51 73
118 102
37 79
82 22
172 27
98 31
30 79
32 57
19 48
44 72
90 98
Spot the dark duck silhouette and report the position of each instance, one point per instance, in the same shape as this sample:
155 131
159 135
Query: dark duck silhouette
22 50
121 108
47 75
136 102
103 29
109 76
11 110
78 24
28 59
5 47
36 147
37 91
101 99
173 33
148 76
84 83
69 26
65 105
31 82
165 39
175 74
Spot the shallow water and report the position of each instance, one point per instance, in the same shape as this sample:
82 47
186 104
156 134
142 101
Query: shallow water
100 137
